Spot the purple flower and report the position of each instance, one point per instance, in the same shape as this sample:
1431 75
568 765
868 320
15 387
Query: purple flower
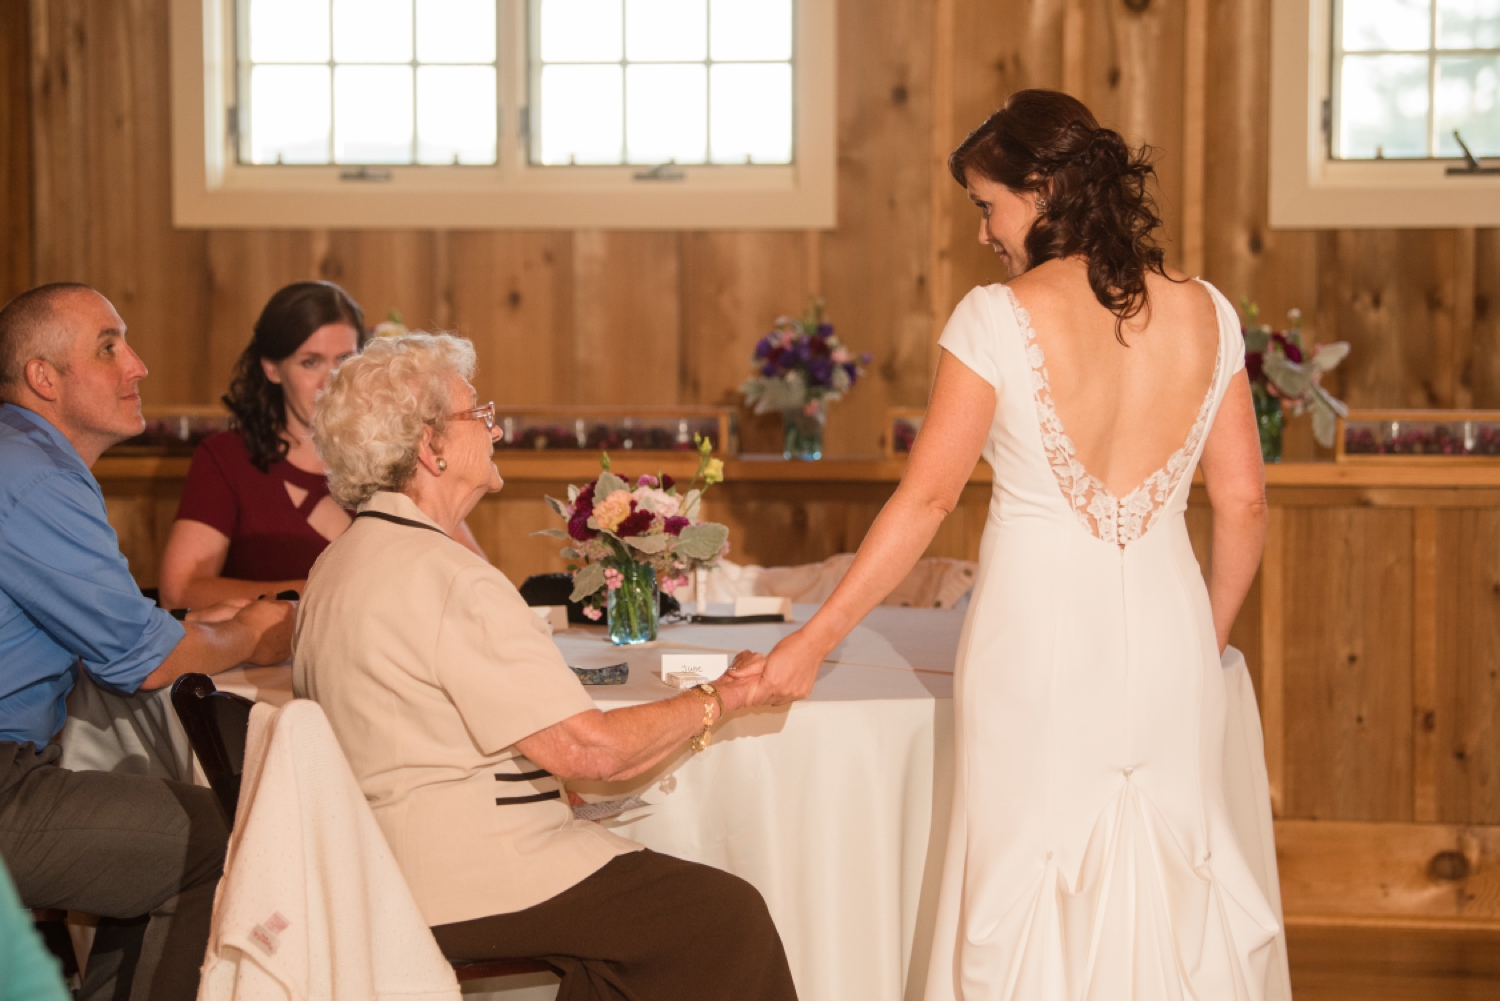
646 480
825 330
1292 352
675 525
667 483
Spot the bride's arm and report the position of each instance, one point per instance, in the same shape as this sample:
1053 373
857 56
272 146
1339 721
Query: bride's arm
1236 482
952 437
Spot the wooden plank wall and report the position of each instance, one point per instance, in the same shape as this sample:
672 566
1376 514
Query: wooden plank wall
670 316
1374 629
15 149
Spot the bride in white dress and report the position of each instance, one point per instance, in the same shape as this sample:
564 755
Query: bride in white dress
1091 855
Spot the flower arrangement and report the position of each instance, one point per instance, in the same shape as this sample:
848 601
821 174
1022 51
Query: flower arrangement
648 533
1283 370
391 326
801 364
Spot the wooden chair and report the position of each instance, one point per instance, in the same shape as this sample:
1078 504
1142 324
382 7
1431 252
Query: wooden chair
217 725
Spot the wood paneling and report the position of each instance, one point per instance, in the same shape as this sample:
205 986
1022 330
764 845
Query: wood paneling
15 149
1466 724
1348 642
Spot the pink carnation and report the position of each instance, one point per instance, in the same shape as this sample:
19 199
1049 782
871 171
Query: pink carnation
592 613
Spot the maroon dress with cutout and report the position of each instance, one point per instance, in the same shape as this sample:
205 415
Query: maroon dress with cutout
269 537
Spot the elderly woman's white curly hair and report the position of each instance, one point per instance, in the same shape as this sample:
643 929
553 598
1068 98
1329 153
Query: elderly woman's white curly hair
367 426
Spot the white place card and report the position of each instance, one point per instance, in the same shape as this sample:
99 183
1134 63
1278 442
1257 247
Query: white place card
555 616
709 665
763 606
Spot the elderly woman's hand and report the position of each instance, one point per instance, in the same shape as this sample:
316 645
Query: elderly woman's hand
741 689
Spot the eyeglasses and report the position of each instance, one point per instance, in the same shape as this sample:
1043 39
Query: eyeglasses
485 413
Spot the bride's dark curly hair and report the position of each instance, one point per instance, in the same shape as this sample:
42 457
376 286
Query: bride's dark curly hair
289 318
1098 204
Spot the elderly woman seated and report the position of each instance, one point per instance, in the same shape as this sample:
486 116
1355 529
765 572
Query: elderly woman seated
461 719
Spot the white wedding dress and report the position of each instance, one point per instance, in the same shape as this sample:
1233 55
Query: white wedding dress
1092 855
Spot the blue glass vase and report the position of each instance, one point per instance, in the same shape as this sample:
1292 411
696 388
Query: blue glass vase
633 606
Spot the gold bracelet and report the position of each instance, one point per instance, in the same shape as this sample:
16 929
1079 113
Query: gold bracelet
701 741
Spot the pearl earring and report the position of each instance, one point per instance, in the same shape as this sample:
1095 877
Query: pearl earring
1041 204
442 464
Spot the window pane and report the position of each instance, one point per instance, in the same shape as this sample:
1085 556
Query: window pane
666 30
666 113
1468 24
750 29
372 108
372 31
1468 99
581 114
455 114
1386 24
289 31
1383 106
751 114
456 31
581 31
289 114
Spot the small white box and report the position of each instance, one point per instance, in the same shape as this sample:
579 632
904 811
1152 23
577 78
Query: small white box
555 616
709 665
763 606
685 679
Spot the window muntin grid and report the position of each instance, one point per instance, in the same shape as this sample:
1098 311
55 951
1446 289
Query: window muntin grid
1407 73
661 81
367 82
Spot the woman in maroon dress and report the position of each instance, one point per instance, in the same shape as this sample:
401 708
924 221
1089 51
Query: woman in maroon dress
255 511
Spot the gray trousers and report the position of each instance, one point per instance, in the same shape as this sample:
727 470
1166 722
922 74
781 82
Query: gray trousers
144 854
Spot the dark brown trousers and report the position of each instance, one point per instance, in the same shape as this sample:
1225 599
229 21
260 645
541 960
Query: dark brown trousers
646 927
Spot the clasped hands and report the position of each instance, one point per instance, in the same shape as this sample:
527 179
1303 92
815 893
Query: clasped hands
779 678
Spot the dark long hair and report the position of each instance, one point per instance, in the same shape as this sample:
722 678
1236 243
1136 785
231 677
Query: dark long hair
1098 206
291 316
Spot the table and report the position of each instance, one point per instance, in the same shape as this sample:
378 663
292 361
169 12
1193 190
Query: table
828 807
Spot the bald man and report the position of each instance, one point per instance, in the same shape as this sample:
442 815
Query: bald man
143 854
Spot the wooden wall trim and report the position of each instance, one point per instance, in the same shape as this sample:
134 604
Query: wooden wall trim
1273 655
1424 656
1389 874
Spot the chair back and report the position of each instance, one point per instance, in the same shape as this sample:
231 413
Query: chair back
217 725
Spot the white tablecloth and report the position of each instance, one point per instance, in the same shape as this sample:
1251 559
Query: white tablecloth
836 808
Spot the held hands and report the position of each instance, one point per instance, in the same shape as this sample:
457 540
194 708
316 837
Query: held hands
739 688
788 673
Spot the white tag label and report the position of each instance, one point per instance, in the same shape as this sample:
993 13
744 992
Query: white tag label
709 665
763 606
555 616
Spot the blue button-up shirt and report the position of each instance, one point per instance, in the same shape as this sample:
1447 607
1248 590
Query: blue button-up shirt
66 594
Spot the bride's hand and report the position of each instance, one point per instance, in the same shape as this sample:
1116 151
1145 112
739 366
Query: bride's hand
790 670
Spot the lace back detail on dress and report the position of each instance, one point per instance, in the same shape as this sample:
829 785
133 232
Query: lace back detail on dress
1102 514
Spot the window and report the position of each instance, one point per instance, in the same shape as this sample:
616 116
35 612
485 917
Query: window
1408 74
682 114
1366 96
662 81
366 81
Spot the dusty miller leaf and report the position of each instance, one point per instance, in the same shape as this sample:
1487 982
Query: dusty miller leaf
702 542
552 533
608 483
587 581
647 543
557 506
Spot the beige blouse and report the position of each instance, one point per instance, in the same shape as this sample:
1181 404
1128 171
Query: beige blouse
430 667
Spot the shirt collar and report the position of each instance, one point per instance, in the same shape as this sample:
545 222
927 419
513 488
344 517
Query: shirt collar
400 505
14 414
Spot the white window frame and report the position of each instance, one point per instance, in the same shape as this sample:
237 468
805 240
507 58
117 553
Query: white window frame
212 189
1309 190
